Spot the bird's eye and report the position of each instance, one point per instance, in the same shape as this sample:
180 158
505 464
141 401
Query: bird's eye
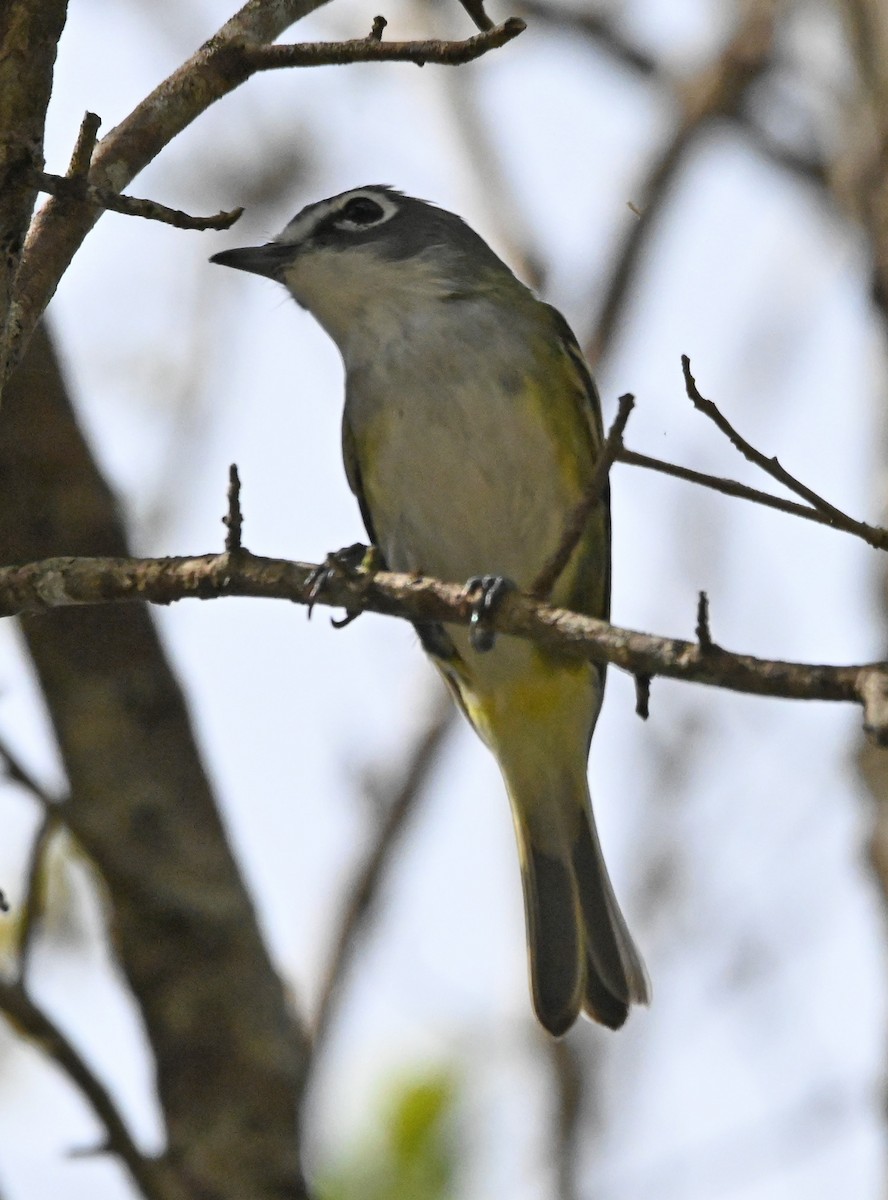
361 210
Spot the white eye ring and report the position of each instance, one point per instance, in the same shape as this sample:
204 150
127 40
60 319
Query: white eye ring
387 209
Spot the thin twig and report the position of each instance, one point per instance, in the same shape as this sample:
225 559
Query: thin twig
233 519
728 487
34 1022
771 466
577 519
475 9
81 157
396 808
704 635
66 188
371 49
58 230
221 64
642 695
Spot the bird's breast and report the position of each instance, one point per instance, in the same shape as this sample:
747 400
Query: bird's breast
463 469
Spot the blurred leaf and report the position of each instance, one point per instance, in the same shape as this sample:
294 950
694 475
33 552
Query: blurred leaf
413 1156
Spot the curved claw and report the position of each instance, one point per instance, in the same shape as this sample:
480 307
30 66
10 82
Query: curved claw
492 589
341 622
348 560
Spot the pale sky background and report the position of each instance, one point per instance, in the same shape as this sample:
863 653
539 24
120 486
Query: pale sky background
758 1072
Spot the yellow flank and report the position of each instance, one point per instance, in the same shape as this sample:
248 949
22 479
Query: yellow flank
547 703
560 403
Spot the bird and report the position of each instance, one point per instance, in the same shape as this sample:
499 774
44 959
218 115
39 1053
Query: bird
471 429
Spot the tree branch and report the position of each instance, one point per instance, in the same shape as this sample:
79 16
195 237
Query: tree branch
67 188
228 1048
64 582
475 9
222 64
148 1175
878 538
730 487
374 49
29 33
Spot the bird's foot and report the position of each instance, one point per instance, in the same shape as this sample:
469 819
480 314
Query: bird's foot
492 590
349 561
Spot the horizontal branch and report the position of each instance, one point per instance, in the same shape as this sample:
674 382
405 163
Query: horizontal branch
67 187
374 49
59 582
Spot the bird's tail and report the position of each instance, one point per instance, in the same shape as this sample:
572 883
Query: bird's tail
582 956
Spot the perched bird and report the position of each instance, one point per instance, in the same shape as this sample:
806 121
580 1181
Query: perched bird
471 429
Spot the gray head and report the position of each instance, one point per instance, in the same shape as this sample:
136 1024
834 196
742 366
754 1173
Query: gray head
371 248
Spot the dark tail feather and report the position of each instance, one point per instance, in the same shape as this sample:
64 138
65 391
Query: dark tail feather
554 939
615 974
582 956
600 1003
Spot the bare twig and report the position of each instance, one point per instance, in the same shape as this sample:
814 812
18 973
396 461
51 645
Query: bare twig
475 9
642 695
704 634
233 519
81 157
372 49
730 487
396 809
577 519
65 187
29 33
377 29
62 224
832 516
62 582
147 1174
222 64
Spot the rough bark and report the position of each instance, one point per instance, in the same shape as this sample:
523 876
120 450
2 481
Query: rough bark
229 1056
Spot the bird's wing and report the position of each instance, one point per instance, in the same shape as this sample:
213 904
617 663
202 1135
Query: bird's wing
353 475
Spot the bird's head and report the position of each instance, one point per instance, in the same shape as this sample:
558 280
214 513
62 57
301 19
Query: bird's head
370 255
